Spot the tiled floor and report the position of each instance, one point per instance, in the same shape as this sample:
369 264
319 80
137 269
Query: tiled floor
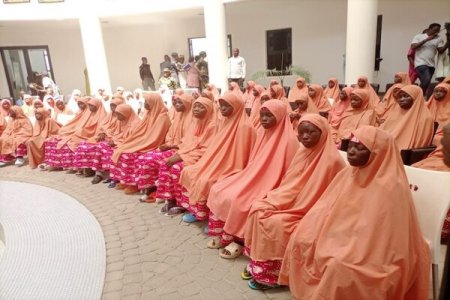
150 256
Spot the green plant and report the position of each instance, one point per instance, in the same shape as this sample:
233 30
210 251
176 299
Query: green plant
281 74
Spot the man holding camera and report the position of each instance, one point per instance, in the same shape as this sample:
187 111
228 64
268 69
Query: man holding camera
426 45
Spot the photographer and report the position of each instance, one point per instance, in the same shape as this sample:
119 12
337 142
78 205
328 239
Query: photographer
426 45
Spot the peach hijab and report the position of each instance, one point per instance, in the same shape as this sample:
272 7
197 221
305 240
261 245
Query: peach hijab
248 94
353 118
150 132
435 160
18 131
319 98
273 218
254 114
338 108
334 91
125 127
440 110
405 80
411 128
235 88
231 198
181 122
90 129
310 108
373 96
294 92
110 122
43 129
197 138
361 240
212 88
385 106
80 119
228 152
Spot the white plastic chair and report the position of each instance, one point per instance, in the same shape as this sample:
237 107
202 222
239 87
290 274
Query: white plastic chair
431 196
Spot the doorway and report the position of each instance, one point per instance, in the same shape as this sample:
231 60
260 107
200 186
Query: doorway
21 66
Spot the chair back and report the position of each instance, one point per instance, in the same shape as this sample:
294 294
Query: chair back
431 196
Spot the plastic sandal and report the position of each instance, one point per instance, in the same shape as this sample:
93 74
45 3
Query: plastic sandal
174 211
254 285
246 274
214 243
231 251
112 184
96 179
189 218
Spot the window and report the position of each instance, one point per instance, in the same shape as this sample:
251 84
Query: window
279 48
196 45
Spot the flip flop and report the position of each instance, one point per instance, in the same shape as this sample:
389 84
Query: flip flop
174 211
254 285
231 251
246 274
189 218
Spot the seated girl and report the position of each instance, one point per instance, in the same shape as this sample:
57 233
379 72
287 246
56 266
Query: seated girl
95 154
248 96
60 150
339 107
332 91
273 218
148 163
192 147
5 107
262 96
387 104
358 114
61 112
439 104
147 136
316 96
231 198
13 139
227 154
300 87
361 240
363 84
44 128
304 106
410 122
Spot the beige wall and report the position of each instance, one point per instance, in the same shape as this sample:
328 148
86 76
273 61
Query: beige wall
318 27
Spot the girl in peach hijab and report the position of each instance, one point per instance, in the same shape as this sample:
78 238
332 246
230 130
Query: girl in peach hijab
44 128
61 112
332 90
316 96
300 87
385 106
361 240
274 82
172 112
339 107
277 92
248 96
402 77
235 88
212 88
439 104
274 217
357 115
5 107
191 149
410 123
60 150
231 198
363 83
147 136
227 154
262 97
149 162
13 139
304 106
435 160
94 154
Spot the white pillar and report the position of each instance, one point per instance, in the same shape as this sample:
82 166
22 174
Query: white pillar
361 35
216 41
94 53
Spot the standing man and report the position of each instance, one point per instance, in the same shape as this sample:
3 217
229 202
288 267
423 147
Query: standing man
236 68
426 45
146 75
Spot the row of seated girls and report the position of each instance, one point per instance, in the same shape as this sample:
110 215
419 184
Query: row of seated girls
268 180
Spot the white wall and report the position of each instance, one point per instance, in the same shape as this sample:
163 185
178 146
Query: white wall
318 29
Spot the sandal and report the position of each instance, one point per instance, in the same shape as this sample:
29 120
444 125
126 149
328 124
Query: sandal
177 210
107 180
246 275
148 198
96 179
112 184
231 251
89 173
189 218
255 285
169 204
130 190
214 243
120 186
